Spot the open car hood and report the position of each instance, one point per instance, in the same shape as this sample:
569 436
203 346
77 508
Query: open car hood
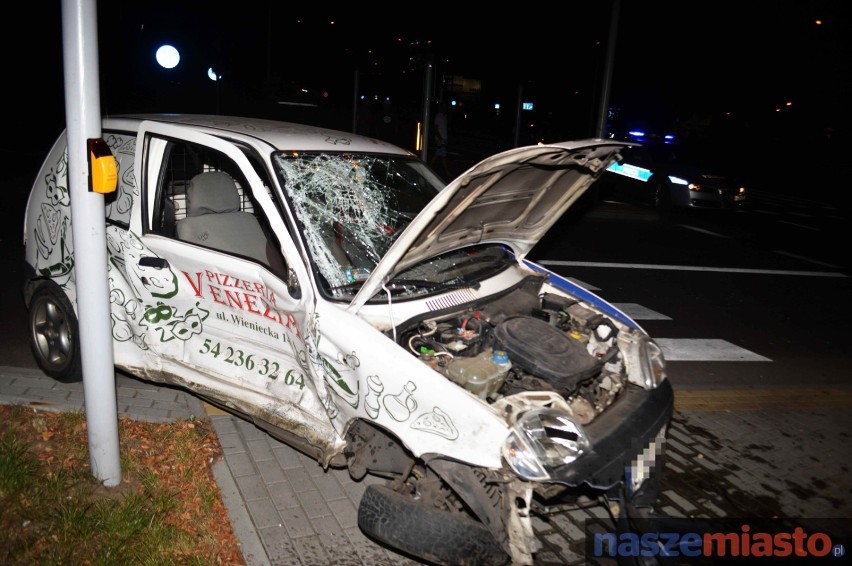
512 198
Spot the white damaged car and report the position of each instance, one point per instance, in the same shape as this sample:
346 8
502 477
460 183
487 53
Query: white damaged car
332 290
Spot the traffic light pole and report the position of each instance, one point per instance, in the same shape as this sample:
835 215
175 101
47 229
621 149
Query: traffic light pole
88 224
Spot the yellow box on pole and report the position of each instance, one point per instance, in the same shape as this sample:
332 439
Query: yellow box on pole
103 168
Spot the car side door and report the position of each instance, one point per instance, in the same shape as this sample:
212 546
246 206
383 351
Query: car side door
224 310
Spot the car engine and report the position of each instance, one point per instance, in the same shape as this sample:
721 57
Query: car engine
526 342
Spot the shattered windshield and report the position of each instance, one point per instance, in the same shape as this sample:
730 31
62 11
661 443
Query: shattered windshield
351 207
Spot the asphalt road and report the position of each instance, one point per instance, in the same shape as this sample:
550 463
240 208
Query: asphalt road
769 282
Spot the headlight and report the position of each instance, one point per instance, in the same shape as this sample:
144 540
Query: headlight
644 359
544 439
655 365
678 180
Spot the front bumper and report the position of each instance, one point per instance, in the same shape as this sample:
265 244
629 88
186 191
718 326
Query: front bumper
715 198
618 436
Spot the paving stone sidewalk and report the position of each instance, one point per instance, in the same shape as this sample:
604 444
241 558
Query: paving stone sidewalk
287 510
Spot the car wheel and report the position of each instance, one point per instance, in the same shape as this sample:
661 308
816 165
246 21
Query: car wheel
429 533
662 198
54 335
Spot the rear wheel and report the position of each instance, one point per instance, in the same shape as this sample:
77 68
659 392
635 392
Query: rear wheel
54 334
439 536
663 200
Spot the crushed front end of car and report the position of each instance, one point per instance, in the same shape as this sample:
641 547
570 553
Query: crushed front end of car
586 402
530 392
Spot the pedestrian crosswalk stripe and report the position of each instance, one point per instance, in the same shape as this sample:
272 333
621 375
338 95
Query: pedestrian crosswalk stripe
638 312
705 350
583 284
684 349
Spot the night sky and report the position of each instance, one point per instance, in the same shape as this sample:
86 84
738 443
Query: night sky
675 62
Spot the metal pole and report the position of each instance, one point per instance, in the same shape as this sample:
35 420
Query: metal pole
603 111
518 114
355 104
88 224
427 110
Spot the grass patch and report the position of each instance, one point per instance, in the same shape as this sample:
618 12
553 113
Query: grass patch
166 510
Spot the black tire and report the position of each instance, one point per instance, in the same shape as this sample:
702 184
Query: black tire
662 198
54 334
426 532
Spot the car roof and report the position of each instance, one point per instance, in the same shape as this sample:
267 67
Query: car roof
283 136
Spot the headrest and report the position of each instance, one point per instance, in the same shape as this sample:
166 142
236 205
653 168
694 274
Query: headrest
212 192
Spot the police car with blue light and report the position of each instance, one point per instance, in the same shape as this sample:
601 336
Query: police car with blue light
669 176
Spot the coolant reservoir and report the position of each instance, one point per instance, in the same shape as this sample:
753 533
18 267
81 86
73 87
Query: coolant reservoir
483 374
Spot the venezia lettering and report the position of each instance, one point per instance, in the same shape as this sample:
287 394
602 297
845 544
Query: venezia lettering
239 294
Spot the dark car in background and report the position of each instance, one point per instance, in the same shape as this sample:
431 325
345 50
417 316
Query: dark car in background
669 176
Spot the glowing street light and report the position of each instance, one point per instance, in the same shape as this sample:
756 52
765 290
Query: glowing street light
168 57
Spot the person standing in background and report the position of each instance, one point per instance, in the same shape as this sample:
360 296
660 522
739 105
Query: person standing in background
442 139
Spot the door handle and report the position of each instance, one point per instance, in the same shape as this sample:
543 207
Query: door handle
153 261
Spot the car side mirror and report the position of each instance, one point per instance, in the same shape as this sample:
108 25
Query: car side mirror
293 284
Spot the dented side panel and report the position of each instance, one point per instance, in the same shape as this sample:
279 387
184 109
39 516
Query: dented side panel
369 376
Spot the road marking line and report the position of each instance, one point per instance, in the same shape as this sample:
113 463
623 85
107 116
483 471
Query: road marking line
797 225
750 399
705 350
803 258
688 268
703 231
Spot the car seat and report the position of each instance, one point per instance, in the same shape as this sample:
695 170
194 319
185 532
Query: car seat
214 219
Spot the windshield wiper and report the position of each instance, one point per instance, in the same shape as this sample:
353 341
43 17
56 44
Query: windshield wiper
453 284
355 285
497 261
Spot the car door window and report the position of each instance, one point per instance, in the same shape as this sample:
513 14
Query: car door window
202 198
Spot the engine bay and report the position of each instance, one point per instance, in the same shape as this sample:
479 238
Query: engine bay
525 341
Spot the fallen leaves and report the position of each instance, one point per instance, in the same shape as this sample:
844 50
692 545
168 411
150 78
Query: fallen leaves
174 458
